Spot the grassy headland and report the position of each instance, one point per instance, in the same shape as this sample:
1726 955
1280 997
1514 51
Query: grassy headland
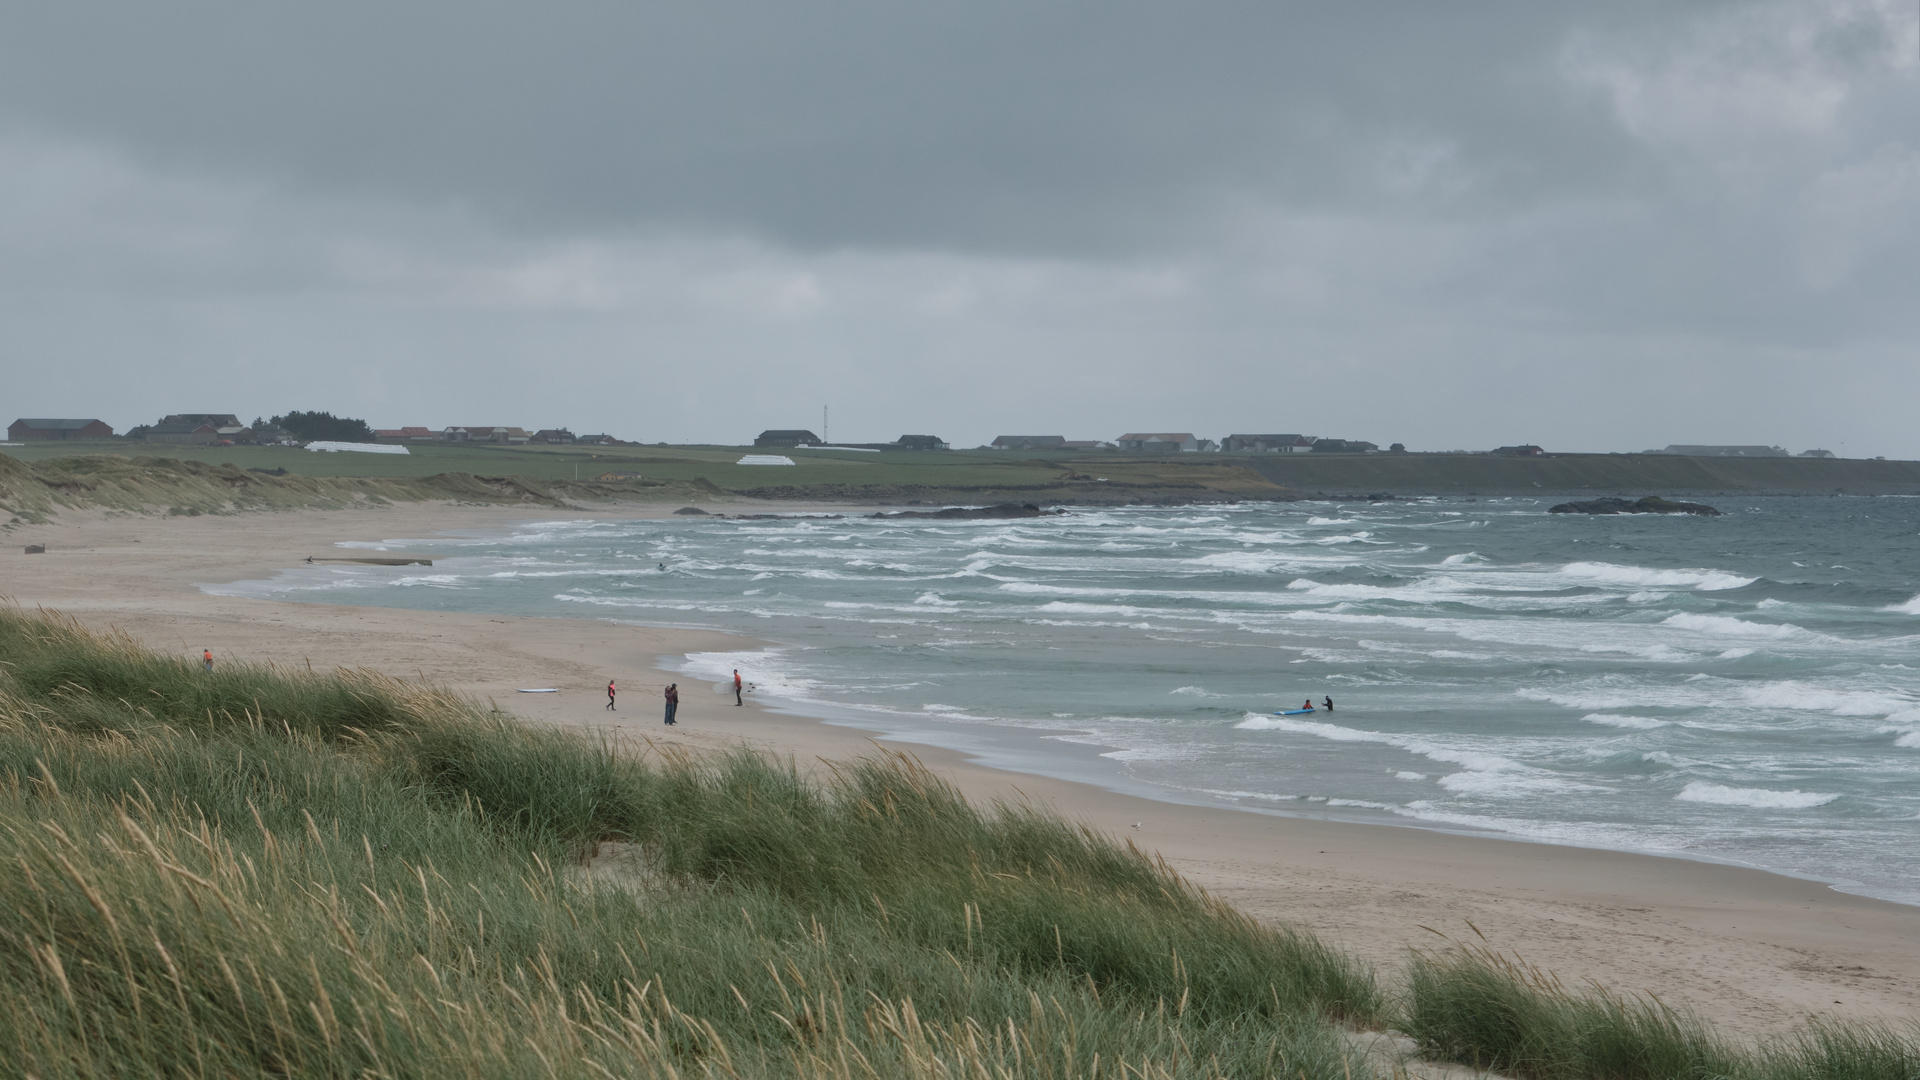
260 871
36 480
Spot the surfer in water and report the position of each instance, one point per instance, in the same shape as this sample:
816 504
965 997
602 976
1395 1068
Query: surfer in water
1307 705
1329 704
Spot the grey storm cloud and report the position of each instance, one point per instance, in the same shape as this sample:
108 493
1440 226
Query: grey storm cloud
1595 226
1031 127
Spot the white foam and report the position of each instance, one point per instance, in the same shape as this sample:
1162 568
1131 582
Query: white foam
1699 791
1726 626
1405 775
1911 607
1910 740
1611 720
1465 558
1640 576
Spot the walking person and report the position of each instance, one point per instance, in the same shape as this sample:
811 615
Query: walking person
610 689
207 659
736 687
673 701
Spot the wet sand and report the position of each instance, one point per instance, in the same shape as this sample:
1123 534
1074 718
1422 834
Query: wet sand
1751 951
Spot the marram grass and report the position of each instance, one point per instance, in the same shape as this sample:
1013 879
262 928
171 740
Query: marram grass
265 872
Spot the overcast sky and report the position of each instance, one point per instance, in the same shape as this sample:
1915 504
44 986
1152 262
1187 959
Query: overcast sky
1590 226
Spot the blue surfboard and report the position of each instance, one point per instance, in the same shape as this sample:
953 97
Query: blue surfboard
1292 712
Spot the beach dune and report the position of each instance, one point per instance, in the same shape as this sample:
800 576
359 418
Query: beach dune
1753 952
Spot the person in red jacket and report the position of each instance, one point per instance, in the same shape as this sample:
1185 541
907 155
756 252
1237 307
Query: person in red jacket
610 688
673 701
736 687
207 658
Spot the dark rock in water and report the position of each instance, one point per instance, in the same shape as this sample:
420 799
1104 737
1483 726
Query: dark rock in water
692 511
976 513
1652 504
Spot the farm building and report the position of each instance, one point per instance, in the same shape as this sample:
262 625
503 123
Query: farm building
25 430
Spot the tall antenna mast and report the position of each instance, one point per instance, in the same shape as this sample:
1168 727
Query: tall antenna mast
823 424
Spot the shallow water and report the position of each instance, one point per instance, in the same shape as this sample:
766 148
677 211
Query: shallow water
1743 688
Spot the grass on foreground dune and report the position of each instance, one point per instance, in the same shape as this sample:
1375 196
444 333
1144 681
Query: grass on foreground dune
1472 1004
259 871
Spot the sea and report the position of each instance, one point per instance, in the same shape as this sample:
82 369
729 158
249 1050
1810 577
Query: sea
1742 688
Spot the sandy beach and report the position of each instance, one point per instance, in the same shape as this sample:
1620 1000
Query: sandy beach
1751 951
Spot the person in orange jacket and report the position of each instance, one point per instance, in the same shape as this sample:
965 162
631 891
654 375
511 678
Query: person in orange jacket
736 687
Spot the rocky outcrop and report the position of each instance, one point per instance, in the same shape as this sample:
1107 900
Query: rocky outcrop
976 513
1652 504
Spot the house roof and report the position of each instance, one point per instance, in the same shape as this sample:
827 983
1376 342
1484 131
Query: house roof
56 425
1158 436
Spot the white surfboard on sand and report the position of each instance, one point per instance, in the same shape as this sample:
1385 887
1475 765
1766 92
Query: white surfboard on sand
548 690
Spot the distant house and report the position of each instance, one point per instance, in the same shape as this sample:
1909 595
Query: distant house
1086 444
788 437
553 437
1159 442
1692 450
486 433
1517 451
1344 446
406 434
1816 453
599 440
184 433
1029 442
197 429
921 442
24 430
1266 444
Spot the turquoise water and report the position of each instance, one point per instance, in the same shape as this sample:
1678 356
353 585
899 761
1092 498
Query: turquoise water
1744 688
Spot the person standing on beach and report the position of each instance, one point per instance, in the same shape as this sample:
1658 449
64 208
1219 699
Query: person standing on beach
207 658
673 701
736 687
610 707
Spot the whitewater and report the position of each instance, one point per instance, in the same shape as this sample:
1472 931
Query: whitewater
1743 688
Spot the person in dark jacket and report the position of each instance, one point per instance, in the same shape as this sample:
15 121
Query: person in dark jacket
673 701
1329 704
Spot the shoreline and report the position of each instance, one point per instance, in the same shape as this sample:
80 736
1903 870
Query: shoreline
1751 950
